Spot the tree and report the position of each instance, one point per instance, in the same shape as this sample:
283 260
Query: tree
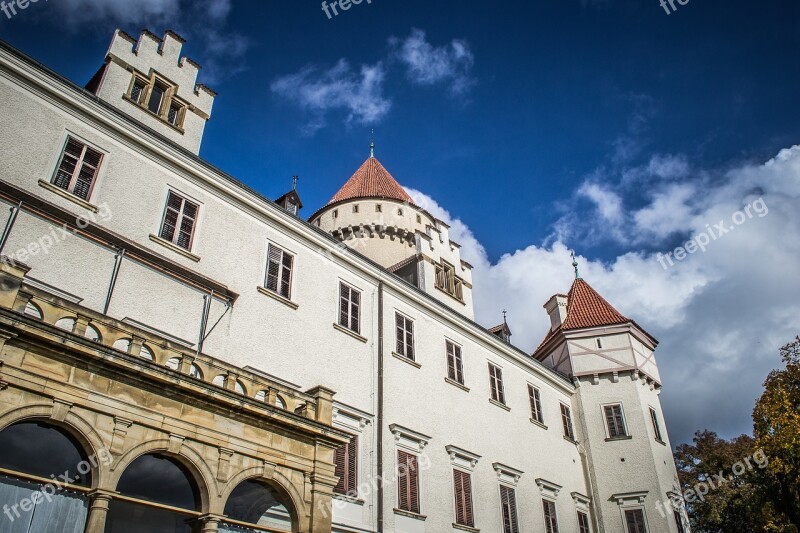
732 506
776 421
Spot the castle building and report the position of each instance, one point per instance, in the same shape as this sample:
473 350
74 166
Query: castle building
180 354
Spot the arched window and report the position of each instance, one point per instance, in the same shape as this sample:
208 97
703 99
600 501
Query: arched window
173 363
195 372
160 497
280 402
147 353
31 309
34 452
238 387
257 504
123 345
92 334
67 324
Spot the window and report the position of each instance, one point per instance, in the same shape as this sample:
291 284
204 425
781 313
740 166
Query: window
679 522
279 271
550 518
138 90
496 383
78 168
599 344
291 207
455 366
407 482
400 212
536 404
656 425
583 523
508 501
349 308
419 219
158 97
615 421
566 419
462 483
447 281
257 504
355 208
179 219
157 94
405 336
634 518
335 213
174 116
378 208
347 468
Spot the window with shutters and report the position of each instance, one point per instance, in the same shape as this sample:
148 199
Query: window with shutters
455 365
404 328
279 271
159 97
407 482
535 397
550 518
78 168
462 484
615 422
634 518
496 383
347 468
566 420
583 523
656 425
180 216
508 502
349 308
447 280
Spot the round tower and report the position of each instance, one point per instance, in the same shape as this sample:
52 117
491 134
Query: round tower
374 215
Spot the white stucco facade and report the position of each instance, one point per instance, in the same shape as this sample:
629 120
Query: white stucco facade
390 402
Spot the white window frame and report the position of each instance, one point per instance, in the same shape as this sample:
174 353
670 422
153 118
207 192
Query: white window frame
541 404
407 319
284 251
59 155
349 310
195 227
460 349
625 432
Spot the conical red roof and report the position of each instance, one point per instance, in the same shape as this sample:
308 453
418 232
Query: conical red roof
372 180
585 309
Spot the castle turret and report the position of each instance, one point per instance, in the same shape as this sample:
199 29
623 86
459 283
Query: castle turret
149 80
375 216
621 432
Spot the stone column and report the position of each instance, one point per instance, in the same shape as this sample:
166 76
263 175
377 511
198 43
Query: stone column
324 409
98 509
210 523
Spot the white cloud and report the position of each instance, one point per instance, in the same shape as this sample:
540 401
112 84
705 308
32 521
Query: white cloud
431 65
720 315
358 93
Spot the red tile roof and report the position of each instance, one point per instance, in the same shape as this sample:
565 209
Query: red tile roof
585 309
372 180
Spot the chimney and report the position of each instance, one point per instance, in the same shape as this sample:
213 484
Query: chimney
556 307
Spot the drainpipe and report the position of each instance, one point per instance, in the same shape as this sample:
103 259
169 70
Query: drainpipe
117 264
9 225
204 321
380 406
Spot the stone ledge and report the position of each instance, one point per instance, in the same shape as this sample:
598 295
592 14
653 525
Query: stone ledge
278 297
68 196
177 249
350 332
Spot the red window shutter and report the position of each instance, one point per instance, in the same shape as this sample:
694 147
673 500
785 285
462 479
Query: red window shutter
463 492
408 482
508 501
340 458
352 466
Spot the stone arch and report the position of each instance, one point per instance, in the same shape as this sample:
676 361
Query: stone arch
277 481
75 425
187 457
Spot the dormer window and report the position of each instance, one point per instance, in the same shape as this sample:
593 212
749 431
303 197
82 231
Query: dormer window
447 281
158 97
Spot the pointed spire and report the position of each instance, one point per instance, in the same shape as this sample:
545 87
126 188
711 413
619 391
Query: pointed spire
504 317
575 265
372 144
294 182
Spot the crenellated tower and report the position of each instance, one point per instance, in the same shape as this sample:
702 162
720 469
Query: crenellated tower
375 216
150 80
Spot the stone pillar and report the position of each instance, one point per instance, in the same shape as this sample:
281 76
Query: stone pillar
11 274
98 509
81 323
210 523
324 410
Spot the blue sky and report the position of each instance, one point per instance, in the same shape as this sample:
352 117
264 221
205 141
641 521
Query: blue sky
609 127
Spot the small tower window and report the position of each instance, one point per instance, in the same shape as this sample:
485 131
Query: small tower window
355 208
335 213
156 98
419 219
599 344
175 114
138 90
378 208
400 212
